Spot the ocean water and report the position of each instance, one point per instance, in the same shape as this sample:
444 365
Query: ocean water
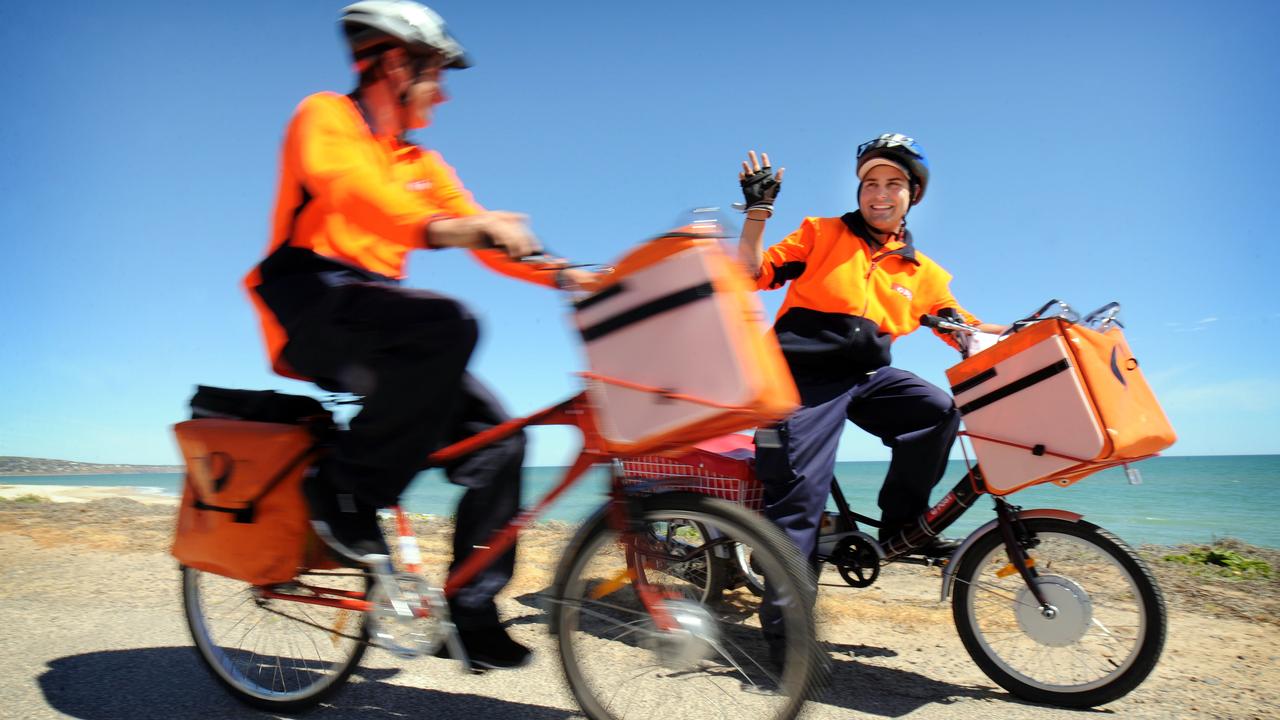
1181 499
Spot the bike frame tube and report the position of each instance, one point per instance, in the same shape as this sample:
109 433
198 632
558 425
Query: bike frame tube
505 537
937 518
576 411
346 601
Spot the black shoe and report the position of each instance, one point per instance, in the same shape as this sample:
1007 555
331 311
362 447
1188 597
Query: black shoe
490 648
938 547
346 524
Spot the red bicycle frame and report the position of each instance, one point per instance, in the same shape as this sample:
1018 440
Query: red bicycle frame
576 411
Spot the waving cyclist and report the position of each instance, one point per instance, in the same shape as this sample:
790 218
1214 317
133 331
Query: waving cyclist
857 282
354 198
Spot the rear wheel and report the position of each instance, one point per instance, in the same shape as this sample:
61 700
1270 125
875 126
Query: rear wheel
277 655
746 569
712 660
682 554
1104 632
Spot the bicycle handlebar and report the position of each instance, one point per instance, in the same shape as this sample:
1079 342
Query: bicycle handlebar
947 325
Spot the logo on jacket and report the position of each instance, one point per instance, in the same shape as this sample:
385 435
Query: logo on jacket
418 185
902 291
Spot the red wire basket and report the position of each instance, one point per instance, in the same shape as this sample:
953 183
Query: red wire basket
725 475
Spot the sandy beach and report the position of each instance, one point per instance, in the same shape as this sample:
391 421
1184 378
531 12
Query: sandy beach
93 594
82 493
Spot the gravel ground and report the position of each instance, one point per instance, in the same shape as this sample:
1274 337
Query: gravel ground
93 629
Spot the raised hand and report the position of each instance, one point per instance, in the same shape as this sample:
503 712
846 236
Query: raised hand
759 185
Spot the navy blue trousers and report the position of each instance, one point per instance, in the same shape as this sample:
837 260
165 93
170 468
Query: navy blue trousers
914 418
406 352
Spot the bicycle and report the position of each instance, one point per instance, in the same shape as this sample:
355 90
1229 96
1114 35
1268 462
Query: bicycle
1054 609
634 640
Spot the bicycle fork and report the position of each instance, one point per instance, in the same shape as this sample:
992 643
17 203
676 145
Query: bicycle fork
1016 543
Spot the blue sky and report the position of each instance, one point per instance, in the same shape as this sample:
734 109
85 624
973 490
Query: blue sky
1090 151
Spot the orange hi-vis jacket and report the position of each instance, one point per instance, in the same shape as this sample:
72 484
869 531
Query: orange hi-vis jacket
359 201
848 300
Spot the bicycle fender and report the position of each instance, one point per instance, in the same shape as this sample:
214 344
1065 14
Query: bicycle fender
948 573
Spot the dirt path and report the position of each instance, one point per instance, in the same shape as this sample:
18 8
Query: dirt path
92 628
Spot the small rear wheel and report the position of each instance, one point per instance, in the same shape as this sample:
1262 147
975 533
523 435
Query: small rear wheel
275 655
747 569
712 660
679 553
1101 636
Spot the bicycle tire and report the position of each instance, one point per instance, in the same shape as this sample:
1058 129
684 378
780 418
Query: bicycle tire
619 666
273 655
1106 637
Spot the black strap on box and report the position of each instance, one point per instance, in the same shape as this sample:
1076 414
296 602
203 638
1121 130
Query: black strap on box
647 310
1016 386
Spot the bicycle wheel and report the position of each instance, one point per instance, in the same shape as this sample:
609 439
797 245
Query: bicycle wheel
1108 629
276 655
715 662
674 553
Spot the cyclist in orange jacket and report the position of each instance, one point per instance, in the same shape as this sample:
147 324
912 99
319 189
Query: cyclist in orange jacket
857 282
355 197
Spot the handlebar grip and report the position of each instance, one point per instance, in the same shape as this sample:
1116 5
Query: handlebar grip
942 323
542 257
930 321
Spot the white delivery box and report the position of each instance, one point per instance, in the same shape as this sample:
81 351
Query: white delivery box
1056 402
678 349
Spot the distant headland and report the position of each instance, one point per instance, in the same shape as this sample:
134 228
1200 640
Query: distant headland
10 465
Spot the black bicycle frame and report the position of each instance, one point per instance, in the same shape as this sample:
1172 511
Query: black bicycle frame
939 517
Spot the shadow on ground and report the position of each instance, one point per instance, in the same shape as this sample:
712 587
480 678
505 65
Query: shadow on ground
890 692
172 683
859 686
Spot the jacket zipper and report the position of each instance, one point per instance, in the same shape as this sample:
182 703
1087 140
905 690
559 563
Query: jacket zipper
866 286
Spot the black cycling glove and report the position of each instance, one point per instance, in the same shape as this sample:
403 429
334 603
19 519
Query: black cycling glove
759 189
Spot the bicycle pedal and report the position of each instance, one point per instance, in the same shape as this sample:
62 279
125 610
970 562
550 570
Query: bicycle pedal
414 623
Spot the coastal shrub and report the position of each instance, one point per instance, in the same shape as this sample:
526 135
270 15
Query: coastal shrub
1224 562
28 499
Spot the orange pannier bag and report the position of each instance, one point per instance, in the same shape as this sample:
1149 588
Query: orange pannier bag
1056 402
243 514
678 349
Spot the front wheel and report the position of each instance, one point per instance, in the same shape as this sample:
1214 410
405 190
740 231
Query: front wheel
276 655
712 660
1101 636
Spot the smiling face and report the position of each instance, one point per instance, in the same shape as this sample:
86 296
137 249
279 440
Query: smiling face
885 198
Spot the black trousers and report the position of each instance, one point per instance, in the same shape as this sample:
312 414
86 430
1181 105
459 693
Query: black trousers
406 352
913 417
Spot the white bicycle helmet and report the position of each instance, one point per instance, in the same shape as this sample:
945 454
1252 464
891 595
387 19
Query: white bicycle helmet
373 24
